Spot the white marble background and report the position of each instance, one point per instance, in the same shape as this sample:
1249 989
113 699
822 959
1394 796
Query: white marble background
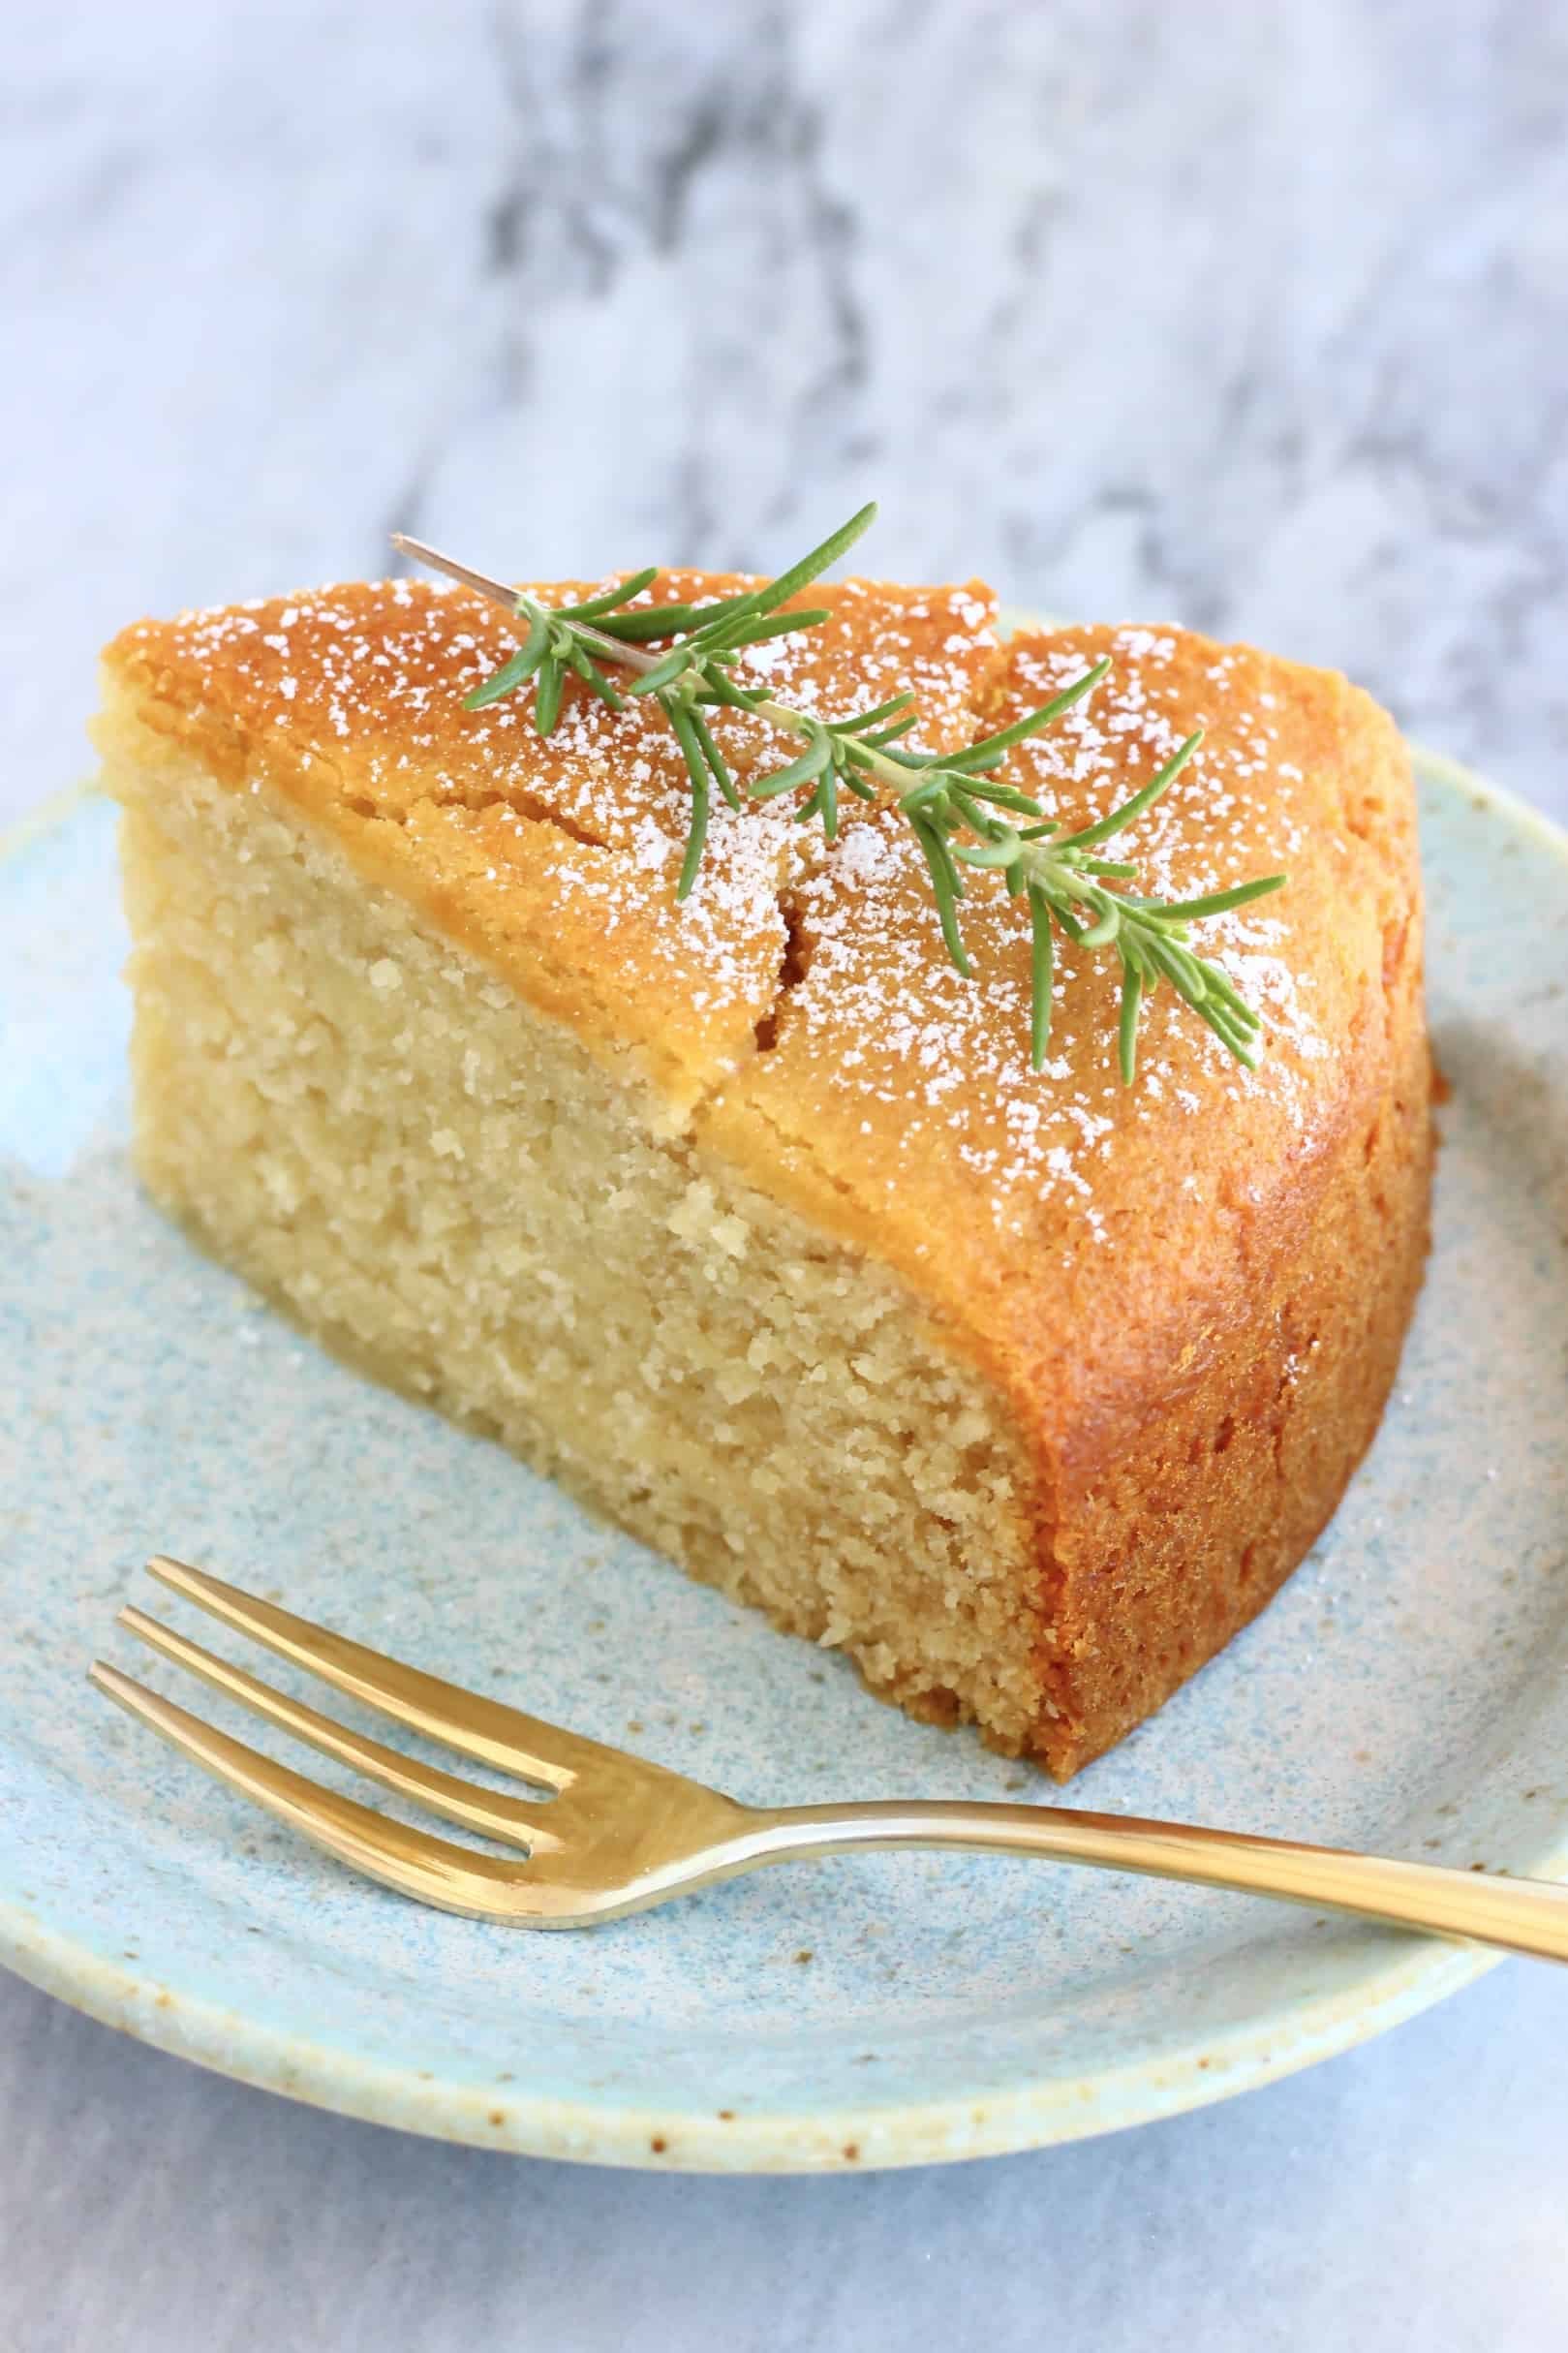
1249 315
1253 315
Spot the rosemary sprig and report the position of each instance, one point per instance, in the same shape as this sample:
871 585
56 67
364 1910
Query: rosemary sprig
960 816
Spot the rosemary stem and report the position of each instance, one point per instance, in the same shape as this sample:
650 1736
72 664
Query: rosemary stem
940 795
610 649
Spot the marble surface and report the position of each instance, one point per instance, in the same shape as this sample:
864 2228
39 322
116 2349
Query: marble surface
1253 318
1406 2199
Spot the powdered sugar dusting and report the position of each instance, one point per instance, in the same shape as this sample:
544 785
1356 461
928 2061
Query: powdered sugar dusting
366 682
884 1020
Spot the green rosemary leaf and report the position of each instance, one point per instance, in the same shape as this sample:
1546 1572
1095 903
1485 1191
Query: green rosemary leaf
1139 802
1217 902
886 736
547 701
1222 989
588 671
715 765
863 719
680 719
1187 975
1102 932
962 806
828 790
655 620
609 598
1132 990
946 886
719 688
1004 796
986 854
1232 1035
733 636
810 764
1207 990
992 748
823 804
1040 976
924 797
514 672
811 567
663 673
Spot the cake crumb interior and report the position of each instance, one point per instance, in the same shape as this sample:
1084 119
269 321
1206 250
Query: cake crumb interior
451 1189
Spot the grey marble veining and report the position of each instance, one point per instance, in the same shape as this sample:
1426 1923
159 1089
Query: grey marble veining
1253 316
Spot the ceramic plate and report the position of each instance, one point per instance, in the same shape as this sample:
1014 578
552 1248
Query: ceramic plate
1408 1691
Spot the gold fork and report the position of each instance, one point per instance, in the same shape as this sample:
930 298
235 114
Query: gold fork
611 1834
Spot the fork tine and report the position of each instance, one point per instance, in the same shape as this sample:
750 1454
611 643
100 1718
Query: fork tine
489 1810
417 1864
485 1728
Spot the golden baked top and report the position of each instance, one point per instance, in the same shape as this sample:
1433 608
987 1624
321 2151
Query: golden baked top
799 1009
1025 1201
555 860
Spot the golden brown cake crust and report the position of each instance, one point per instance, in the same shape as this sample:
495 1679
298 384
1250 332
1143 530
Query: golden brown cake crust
1192 1293
1194 1290
905 1091
554 861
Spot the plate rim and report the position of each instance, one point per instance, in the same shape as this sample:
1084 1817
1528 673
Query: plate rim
1418 1972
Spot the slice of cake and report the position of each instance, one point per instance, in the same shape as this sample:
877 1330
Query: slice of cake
749 1219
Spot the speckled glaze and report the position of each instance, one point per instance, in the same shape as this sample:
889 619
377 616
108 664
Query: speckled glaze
1407 1690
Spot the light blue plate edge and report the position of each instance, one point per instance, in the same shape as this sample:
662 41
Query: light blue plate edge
1416 1974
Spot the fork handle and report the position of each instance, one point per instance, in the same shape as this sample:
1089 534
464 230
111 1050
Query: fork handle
1475 1908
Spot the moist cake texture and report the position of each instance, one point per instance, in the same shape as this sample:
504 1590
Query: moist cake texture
748 1219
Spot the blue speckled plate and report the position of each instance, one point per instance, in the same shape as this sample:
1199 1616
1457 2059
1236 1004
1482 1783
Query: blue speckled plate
1409 1690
